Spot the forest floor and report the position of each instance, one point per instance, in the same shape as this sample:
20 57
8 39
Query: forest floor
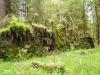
80 62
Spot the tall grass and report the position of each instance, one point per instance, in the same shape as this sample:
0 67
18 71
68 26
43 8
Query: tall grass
83 62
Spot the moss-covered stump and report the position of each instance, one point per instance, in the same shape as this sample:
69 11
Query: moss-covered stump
36 36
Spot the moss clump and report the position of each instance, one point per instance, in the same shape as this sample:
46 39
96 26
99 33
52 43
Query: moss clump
4 32
16 34
13 28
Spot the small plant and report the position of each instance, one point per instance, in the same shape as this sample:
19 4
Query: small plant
22 54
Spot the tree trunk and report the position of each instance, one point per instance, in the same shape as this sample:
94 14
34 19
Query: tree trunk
97 14
2 11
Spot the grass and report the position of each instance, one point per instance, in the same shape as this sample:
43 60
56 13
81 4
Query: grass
81 62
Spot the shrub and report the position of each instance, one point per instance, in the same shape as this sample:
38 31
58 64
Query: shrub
7 50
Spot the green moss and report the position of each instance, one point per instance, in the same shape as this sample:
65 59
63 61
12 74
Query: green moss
19 28
4 31
15 28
